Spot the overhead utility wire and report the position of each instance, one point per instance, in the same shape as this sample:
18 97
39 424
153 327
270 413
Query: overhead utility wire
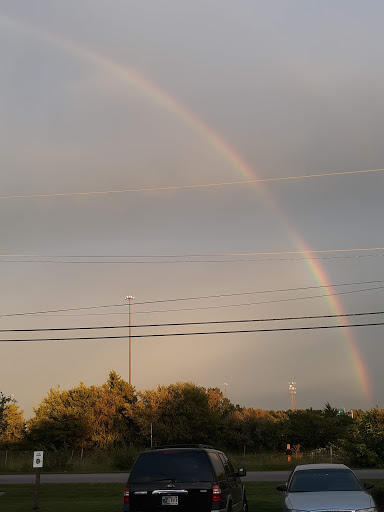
263 302
180 187
174 261
238 305
228 305
166 335
124 304
205 255
179 324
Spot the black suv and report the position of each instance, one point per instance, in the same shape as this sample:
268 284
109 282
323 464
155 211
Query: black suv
184 478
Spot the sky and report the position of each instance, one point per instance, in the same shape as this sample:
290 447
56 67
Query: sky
125 95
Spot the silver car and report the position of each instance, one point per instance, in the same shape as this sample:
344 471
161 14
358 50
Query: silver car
326 487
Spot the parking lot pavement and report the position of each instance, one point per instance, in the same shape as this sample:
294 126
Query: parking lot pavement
66 478
266 476
105 478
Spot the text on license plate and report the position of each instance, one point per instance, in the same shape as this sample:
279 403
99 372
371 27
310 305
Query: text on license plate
170 500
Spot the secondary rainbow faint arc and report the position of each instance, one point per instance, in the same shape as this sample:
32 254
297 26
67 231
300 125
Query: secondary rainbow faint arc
223 148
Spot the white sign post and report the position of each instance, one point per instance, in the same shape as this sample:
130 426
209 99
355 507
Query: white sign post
38 458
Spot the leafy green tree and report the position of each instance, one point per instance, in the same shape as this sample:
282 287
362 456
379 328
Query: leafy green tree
257 429
83 417
179 413
12 424
123 396
221 410
317 428
218 403
4 400
113 414
61 420
365 439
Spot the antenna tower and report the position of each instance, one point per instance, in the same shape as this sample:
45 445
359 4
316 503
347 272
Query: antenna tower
292 389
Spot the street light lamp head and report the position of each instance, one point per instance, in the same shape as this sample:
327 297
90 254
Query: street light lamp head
129 297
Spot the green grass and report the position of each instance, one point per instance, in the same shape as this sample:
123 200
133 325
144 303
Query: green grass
262 497
63 498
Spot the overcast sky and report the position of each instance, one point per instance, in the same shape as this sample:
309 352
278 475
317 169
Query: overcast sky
105 96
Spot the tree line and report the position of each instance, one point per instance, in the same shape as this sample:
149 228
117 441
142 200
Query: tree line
115 415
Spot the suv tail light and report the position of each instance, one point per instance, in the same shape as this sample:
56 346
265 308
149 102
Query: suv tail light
126 495
216 493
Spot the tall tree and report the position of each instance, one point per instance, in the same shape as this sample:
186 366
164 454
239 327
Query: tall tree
365 442
4 400
179 413
13 431
83 417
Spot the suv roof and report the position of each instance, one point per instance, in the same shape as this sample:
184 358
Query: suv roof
167 446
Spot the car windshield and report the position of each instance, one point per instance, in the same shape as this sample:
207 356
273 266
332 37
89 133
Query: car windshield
172 465
315 480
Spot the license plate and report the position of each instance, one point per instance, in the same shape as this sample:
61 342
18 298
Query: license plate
169 500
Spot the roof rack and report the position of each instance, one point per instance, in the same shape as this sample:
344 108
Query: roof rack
161 447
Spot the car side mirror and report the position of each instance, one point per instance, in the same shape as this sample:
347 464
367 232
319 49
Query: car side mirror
282 487
368 485
241 472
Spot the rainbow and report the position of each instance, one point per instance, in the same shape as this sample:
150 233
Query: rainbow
336 306
171 104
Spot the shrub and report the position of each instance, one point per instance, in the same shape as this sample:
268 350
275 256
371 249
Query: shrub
124 458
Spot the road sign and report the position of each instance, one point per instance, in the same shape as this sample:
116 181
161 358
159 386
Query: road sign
38 459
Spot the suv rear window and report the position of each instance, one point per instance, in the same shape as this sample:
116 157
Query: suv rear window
172 465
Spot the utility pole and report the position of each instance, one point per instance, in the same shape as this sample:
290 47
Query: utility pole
129 298
292 389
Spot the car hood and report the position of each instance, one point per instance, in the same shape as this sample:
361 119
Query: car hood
329 500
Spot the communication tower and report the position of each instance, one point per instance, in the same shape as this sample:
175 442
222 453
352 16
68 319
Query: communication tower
292 389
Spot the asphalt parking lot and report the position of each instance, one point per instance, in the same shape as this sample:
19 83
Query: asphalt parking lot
86 478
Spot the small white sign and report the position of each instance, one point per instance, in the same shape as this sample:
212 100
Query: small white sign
38 459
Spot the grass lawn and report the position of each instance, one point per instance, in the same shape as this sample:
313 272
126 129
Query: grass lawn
63 498
262 497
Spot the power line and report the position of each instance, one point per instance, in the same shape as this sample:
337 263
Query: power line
238 305
103 306
173 262
205 255
262 302
179 324
192 255
165 335
180 187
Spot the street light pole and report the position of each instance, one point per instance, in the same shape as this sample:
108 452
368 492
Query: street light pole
129 298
